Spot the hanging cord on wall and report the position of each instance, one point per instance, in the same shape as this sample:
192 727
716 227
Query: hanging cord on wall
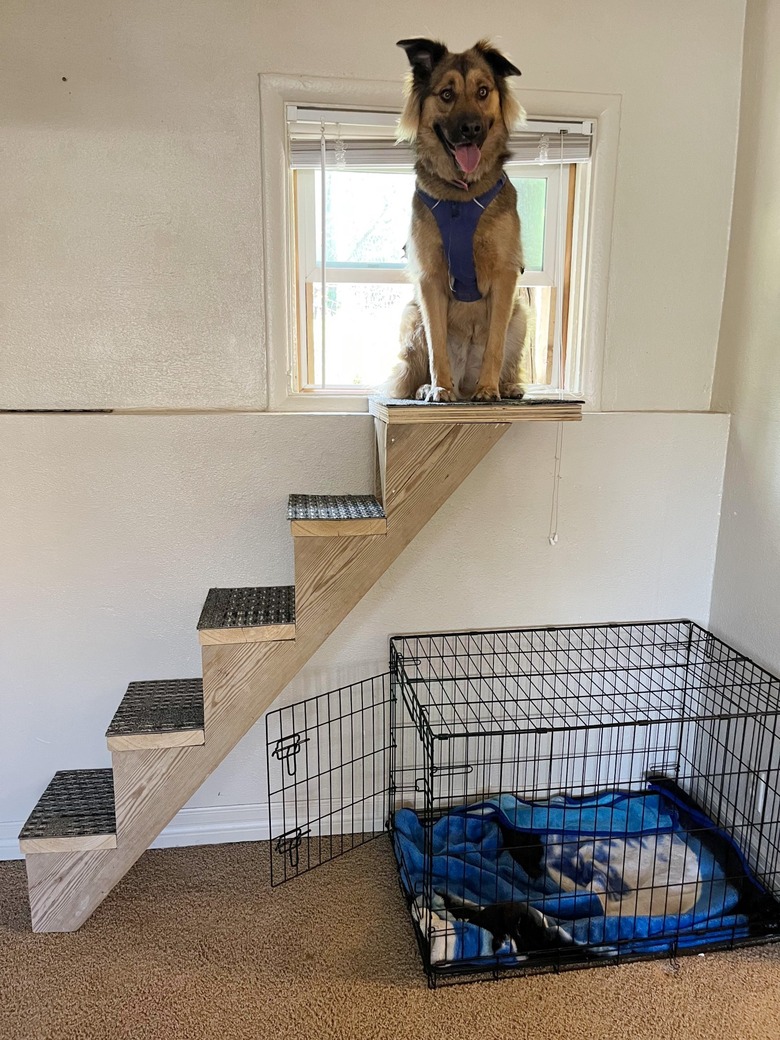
323 247
552 536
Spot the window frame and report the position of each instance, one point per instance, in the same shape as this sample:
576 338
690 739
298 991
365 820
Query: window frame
281 305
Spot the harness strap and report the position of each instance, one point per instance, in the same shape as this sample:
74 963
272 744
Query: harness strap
457 223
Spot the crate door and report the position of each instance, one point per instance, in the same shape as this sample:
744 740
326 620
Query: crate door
328 775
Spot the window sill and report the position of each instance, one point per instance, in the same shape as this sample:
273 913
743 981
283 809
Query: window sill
539 403
323 401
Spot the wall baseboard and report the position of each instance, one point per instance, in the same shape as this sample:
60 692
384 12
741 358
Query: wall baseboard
209 825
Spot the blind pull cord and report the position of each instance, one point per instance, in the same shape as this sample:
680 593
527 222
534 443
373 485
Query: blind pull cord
323 247
552 537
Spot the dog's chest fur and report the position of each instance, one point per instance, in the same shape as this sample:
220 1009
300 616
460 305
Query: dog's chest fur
466 337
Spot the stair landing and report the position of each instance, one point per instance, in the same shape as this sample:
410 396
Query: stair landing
531 408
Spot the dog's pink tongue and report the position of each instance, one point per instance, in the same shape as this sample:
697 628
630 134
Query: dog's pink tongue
467 156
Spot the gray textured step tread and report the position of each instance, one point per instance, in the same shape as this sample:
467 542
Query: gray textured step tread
248 607
159 706
334 507
77 803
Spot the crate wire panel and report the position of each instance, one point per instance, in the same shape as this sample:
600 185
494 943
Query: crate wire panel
731 758
328 768
538 712
580 711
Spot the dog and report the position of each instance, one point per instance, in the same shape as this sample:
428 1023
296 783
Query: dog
464 335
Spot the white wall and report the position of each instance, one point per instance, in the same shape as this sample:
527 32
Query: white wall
132 275
132 266
746 596
115 526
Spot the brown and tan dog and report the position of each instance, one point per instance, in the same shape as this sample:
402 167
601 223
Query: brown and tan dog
464 335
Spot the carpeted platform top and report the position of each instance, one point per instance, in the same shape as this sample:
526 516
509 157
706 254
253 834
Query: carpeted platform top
194 944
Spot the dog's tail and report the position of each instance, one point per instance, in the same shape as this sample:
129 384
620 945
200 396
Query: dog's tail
411 370
403 382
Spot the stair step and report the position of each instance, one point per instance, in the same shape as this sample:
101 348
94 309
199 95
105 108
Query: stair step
75 813
336 515
253 615
160 714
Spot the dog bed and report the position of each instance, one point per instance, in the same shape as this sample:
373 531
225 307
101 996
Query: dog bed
619 872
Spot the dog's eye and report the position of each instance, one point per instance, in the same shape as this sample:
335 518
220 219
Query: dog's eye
483 92
447 94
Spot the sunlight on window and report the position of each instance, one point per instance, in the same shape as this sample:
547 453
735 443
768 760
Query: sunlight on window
367 220
363 323
367 216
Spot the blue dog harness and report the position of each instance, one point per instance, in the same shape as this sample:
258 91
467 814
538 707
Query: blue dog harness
457 223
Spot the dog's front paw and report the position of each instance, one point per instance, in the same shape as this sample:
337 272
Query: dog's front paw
515 390
487 393
435 393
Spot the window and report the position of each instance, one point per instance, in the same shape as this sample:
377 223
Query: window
349 271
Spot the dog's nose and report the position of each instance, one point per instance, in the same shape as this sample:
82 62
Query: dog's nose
470 129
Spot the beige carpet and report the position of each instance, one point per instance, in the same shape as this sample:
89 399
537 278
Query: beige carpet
195 944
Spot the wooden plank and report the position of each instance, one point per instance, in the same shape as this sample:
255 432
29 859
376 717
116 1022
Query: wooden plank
380 429
531 410
260 634
147 741
424 465
337 528
84 843
241 680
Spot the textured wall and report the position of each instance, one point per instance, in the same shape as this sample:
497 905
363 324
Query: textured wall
745 599
114 527
131 274
132 269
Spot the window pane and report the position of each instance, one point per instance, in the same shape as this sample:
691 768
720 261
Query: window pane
362 325
368 216
531 204
540 359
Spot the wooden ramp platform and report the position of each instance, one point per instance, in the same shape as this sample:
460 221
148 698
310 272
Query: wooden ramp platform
166 737
528 409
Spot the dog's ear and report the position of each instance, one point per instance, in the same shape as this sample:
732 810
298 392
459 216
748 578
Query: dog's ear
423 55
500 65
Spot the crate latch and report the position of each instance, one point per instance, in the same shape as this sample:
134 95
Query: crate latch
287 748
289 843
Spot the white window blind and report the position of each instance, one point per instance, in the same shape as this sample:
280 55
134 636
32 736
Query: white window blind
353 138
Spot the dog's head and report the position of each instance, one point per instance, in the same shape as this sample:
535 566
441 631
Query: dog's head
459 108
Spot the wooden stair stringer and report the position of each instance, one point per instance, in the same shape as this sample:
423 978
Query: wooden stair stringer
424 465
423 468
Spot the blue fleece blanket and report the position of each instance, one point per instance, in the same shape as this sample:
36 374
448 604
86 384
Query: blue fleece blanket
617 872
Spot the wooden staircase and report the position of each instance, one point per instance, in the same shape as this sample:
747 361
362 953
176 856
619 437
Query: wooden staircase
90 826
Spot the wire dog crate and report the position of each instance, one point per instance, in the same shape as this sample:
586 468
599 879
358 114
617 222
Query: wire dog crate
557 798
